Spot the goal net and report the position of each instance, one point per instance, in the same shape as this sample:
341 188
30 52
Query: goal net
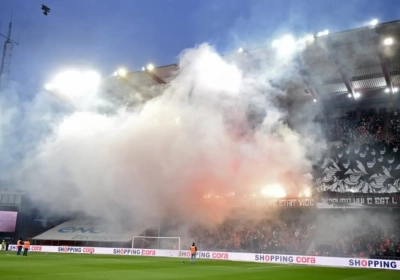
151 242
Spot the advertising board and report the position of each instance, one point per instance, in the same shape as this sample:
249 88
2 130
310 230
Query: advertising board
231 256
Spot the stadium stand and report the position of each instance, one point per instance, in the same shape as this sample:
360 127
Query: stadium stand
362 169
284 236
367 159
359 127
373 234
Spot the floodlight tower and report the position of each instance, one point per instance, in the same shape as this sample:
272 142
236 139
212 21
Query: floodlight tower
6 58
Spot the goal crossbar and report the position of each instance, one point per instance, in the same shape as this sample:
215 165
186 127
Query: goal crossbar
158 238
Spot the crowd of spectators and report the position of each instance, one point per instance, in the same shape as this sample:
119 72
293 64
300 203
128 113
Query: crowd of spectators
377 237
361 234
394 127
366 126
359 127
277 236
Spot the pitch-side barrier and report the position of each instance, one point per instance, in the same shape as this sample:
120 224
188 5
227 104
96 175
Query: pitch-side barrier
231 256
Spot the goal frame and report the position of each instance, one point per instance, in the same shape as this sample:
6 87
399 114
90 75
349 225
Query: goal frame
157 237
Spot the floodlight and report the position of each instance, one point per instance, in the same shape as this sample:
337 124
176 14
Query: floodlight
387 90
395 90
150 67
122 72
349 95
373 22
75 82
240 50
315 100
388 41
323 33
357 95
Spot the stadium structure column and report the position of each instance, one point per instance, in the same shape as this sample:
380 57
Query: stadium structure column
155 77
341 70
384 67
346 80
310 87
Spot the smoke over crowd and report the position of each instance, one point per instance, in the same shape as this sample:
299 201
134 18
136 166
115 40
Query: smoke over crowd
161 157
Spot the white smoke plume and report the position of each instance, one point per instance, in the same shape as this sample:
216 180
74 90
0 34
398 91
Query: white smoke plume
163 157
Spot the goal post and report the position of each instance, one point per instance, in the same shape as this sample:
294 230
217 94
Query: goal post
155 242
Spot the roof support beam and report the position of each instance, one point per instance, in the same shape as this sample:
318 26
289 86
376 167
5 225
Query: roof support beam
126 81
346 80
341 70
134 87
307 80
384 67
156 78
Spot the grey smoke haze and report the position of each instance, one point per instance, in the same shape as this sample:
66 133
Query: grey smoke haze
339 224
163 156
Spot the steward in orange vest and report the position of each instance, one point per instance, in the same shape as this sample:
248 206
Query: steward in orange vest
193 252
26 247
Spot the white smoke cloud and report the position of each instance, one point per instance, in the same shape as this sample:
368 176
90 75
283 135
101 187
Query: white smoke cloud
165 155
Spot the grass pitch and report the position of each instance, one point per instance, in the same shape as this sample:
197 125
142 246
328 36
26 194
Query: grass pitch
73 266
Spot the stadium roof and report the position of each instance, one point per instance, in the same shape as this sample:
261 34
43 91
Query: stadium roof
362 62
140 85
88 230
347 68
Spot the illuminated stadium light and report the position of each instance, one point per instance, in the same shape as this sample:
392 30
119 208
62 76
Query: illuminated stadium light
323 33
373 23
315 100
150 67
388 41
395 90
285 45
75 82
240 50
122 72
387 90
349 95
357 95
